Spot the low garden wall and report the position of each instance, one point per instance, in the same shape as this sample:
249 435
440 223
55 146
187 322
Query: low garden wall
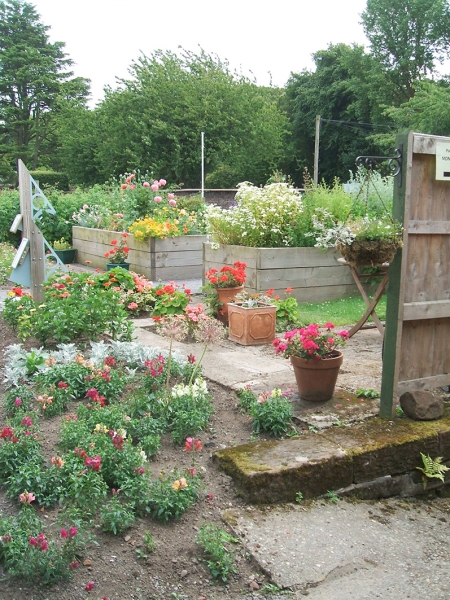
314 275
177 258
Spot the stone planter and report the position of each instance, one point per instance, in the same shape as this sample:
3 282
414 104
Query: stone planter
314 275
251 326
178 258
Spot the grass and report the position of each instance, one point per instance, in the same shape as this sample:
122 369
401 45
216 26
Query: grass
344 311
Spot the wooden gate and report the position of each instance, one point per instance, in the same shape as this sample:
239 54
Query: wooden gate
417 340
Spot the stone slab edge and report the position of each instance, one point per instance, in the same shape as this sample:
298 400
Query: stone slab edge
377 458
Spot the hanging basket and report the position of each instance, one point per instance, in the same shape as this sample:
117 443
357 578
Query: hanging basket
369 252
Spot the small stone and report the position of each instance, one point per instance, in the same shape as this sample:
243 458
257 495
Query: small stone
127 538
87 563
183 574
421 405
253 586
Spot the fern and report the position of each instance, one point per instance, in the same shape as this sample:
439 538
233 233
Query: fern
432 468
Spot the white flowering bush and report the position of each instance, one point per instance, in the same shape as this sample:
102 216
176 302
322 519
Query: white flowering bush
264 217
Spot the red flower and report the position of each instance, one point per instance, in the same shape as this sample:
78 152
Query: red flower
88 587
113 242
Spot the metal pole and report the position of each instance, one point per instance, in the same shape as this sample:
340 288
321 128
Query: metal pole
316 152
203 164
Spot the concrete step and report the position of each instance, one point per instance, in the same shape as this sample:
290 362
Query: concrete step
373 459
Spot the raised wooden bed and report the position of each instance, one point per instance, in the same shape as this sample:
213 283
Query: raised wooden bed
314 275
178 258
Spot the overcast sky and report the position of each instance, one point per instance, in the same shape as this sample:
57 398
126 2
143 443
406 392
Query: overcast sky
268 39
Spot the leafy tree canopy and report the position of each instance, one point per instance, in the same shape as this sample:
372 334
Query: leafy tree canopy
153 121
407 37
33 76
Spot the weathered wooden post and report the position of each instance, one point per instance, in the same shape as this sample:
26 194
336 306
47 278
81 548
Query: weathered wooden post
30 267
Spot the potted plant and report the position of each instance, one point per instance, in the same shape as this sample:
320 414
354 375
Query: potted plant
64 251
118 254
252 319
315 358
224 284
361 240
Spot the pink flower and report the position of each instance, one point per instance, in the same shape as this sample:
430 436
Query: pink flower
27 421
158 199
88 587
73 532
124 186
27 497
64 533
155 186
33 541
172 202
162 182
171 196
329 326
146 184
132 306
17 402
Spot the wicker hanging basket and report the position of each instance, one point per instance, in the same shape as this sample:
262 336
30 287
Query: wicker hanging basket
369 252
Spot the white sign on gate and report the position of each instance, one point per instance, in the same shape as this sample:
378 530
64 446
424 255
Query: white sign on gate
442 160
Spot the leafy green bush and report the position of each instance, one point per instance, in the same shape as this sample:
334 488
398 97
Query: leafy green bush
116 516
219 557
9 208
74 308
7 252
172 495
332 199
263 217
54 179
272 412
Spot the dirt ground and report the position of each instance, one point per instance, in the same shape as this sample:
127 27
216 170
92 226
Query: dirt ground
175 569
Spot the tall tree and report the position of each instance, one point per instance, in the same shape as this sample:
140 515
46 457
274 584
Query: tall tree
342 91
33 73
154 119
407 37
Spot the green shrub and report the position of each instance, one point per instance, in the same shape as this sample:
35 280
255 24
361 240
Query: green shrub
54 179
333 199
219 557
9 208
7 252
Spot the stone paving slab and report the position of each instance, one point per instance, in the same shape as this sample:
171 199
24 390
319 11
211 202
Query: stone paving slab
391 550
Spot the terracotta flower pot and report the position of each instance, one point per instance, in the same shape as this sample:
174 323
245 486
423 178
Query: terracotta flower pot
225 295
251 326
316 379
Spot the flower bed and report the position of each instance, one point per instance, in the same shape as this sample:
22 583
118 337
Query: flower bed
165 259
313 275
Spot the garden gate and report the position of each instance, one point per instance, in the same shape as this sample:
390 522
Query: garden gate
416 344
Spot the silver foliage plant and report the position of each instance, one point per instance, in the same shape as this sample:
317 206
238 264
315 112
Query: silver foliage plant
133 354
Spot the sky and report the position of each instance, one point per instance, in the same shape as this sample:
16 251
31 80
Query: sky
266 40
